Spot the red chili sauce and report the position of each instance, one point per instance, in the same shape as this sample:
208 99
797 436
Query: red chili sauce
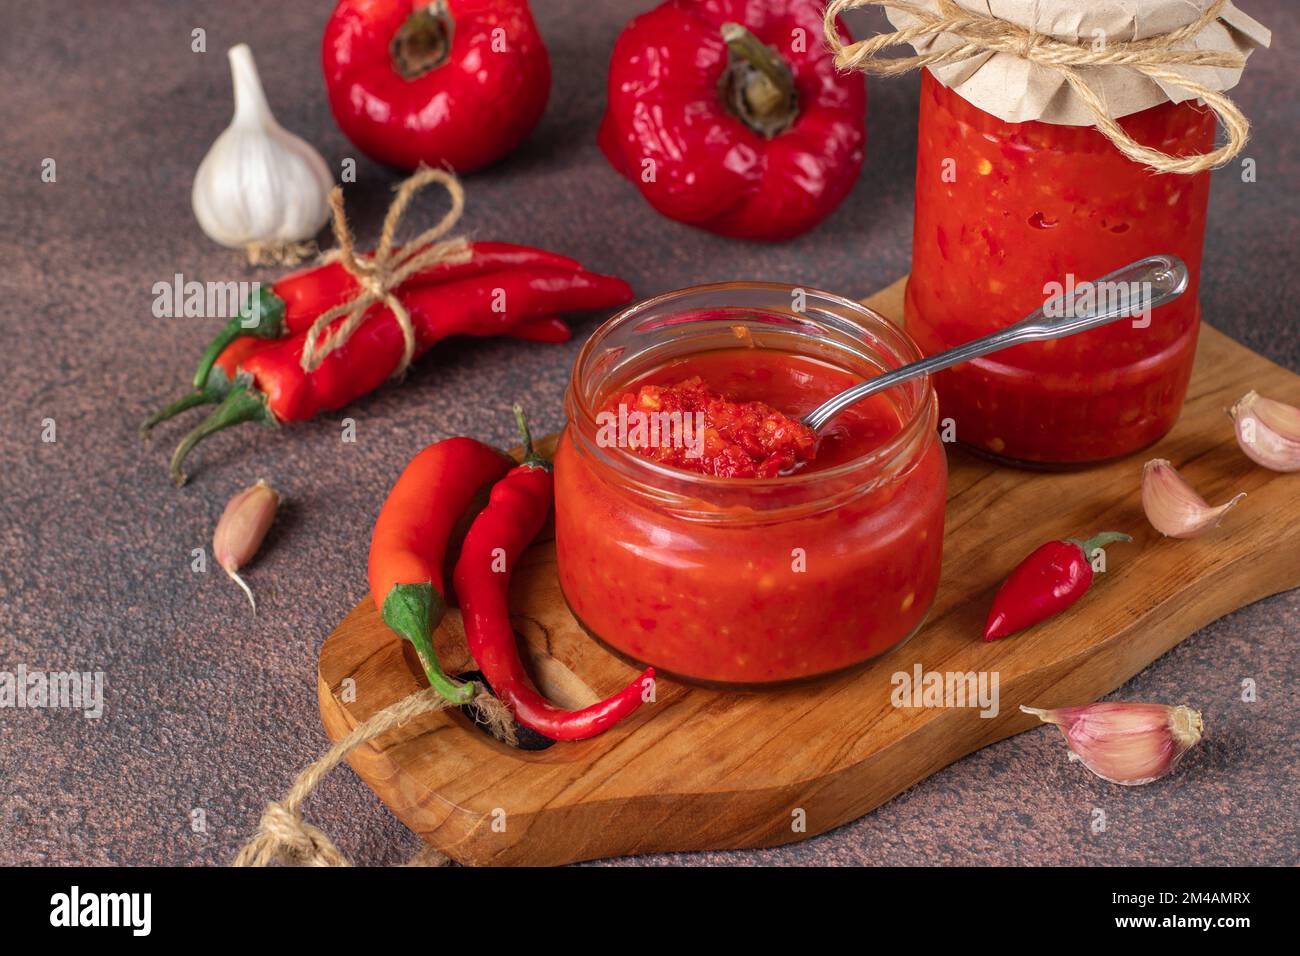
711 581
1004 211
751 401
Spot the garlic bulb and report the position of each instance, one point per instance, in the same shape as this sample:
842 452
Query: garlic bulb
1173 507
1268 431
1126 743
259 185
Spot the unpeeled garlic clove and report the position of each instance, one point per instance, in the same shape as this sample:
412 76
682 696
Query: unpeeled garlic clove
259 185
1173 507
1268 431
241 528
1124 743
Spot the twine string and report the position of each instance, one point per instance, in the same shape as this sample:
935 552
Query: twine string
979 33
380 274
283 836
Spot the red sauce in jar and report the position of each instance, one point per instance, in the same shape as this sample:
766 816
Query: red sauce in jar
795 578
717 436
782 384
1004 209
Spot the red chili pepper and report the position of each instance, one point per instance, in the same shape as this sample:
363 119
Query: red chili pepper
515 513
293 302
408 548
276 389
1045 584
466 307
730 116
454 83
551 330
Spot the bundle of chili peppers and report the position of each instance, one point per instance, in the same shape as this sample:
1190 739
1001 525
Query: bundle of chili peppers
442 488
256 370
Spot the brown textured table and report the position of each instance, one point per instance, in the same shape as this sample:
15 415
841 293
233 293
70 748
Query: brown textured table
209 709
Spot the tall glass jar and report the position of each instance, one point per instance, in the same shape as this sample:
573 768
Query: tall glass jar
1003 210
750 581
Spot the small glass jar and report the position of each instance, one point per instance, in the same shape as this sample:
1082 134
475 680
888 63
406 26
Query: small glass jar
1002 210
749 581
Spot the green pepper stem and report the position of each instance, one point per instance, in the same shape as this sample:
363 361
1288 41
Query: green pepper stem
1099 541
232 330
758 84
423 42
531 457
454 691
181 404
243 404
213 391
268 316
413 610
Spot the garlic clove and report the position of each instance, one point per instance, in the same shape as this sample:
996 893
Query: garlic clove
259 184
241 528
1128 744
1173 507
1268 431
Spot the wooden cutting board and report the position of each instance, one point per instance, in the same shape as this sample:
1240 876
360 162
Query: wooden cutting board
702 769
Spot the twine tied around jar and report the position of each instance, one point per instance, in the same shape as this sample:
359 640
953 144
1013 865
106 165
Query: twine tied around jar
982 33
283 836
380 274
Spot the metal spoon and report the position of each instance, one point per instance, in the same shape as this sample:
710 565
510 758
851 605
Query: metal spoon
1152 281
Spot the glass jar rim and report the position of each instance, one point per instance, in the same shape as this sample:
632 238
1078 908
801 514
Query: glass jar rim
900 349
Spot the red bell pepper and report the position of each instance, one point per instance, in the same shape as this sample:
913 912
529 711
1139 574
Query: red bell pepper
729 115
454 83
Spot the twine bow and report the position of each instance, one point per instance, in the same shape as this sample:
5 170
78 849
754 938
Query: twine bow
283 836
981 33
381 274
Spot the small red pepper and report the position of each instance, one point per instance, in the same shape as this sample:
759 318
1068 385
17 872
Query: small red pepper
454 83
409 545
729 115
272 386
1045 584
514 515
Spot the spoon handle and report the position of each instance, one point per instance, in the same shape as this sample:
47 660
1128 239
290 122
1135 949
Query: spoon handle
1133 290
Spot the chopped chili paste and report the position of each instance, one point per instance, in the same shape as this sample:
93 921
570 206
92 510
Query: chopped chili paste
688 426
